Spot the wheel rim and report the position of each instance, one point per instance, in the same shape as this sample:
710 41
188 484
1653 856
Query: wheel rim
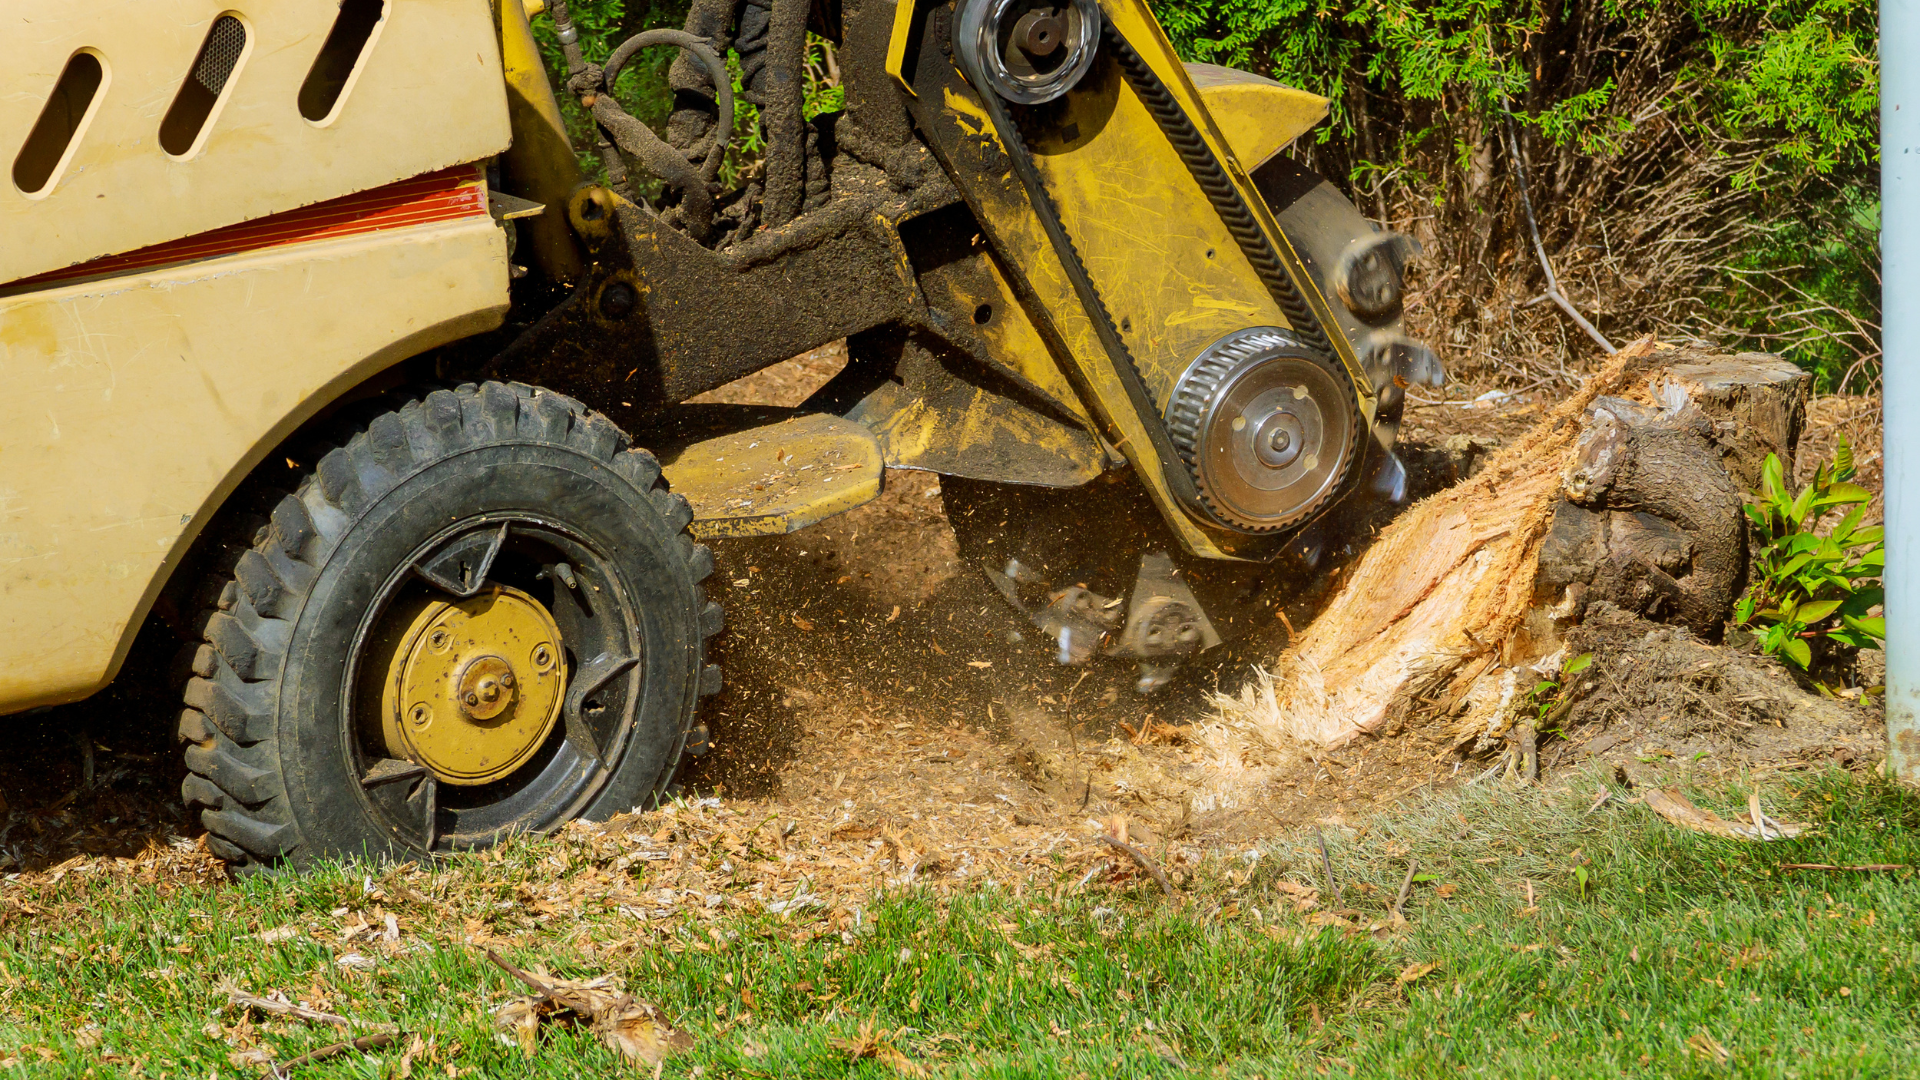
474 686
1275 441
494 683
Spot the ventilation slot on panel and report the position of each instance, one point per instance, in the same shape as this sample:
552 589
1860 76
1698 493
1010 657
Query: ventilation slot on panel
340 57
213 69
57 132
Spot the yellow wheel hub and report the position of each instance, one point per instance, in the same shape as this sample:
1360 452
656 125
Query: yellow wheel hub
474 686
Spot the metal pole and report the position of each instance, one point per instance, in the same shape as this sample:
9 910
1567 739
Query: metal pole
1900 375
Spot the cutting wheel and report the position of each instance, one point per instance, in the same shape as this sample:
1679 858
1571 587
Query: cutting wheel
1269 428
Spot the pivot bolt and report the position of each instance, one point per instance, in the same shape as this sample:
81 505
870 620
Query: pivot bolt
1280 441
619 300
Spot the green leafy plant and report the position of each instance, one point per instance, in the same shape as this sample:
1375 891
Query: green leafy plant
1548 696
1813 588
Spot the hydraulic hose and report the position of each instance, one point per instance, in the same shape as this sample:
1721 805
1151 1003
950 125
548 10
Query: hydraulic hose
786 160
702 51
592 84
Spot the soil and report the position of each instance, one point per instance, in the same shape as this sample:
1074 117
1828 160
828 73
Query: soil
878 688
1654 694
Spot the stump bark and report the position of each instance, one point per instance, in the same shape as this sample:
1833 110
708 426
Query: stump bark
1630 492
1649 519
1757 402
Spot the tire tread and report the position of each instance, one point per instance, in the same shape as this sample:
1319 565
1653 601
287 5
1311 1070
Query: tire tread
232 757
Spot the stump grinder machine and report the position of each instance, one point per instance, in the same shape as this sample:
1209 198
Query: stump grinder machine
329 359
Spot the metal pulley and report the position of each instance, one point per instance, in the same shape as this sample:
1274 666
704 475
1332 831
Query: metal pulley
1028 51
1269 429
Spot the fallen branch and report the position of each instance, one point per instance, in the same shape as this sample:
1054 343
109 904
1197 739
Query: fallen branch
364 1042
1140 857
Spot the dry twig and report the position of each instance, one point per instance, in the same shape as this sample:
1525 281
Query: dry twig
1141 858
1406 888
364 1042
533 984
1326 865
1830 866
274 1007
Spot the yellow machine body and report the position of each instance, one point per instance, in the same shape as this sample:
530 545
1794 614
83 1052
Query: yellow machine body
1166 265
145 389
177 301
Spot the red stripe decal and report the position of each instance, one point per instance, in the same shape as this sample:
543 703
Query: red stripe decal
446 195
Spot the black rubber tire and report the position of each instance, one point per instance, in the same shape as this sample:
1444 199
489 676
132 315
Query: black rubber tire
269 757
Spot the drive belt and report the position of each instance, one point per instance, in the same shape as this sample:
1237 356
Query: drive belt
1096 307
1220 191
1212 177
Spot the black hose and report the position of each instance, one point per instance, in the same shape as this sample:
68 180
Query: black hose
702 51
780 110
661 159
594 87
694 88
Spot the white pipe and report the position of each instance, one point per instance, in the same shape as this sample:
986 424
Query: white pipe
1900 374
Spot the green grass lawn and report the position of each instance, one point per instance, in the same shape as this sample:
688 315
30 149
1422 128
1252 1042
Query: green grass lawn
1646 951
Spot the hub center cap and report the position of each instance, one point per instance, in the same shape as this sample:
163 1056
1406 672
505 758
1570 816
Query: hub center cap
1277 439
475 686
486 688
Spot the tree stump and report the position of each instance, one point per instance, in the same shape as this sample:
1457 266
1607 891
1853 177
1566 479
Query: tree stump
1648 519
1637 502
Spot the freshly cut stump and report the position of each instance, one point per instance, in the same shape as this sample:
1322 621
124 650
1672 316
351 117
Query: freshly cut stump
1627 501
